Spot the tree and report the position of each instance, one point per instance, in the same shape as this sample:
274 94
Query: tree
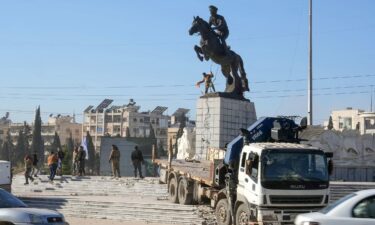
27 135
160 149
37 146
330 123
7 148
152 133
182 120
56 145
91 152
20 150
68 159
127 132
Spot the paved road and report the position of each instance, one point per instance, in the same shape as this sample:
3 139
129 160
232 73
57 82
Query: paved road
102 198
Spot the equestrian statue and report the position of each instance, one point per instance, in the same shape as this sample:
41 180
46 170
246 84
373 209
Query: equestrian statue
213 46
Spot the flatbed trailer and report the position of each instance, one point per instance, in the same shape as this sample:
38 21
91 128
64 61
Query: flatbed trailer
201 171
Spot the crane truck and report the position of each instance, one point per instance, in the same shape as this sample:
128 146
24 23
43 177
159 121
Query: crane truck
267 176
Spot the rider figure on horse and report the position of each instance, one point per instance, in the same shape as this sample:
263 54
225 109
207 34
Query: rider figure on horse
219 25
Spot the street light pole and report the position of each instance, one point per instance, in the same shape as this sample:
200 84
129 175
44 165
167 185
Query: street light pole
310 80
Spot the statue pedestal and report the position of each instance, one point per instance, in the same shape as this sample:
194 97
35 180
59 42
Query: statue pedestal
219 120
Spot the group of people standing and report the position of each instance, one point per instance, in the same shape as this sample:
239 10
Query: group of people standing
136 157
55 160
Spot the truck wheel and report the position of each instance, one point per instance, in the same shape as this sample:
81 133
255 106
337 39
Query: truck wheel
222 212
185 192
242 215
173 197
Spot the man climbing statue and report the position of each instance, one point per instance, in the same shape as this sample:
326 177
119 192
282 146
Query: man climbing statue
207 80
219 25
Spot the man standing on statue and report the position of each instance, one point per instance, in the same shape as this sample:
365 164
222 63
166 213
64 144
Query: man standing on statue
219 25
207 80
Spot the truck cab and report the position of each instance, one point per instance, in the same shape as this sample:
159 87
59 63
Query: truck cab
278 181
5 175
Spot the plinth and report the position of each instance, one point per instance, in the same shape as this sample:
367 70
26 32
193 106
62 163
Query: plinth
219 120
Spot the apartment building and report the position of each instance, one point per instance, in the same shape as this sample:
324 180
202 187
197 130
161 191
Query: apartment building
108 120
63 125
353 119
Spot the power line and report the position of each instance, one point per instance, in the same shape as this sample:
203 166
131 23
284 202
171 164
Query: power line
182 85
52 96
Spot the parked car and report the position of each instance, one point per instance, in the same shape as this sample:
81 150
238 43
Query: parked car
354 209
14 211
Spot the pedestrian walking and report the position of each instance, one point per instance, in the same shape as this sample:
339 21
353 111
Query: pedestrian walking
81 161
35 170
28 167
137 159
75 161
114 159
52 163
60 155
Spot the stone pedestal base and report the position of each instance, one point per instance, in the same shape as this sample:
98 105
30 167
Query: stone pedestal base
219 120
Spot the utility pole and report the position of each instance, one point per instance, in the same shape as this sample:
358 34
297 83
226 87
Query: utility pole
309 79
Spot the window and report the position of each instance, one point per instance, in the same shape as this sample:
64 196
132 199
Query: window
345 123
365 208
254 168
243 160
336 203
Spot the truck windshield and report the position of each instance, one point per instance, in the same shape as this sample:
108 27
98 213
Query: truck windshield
294 168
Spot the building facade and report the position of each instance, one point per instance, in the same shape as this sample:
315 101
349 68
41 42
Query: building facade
108 120
62 125
353 119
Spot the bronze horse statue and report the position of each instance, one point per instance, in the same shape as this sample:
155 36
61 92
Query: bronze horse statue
230 62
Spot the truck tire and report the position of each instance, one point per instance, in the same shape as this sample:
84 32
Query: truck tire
242 215
185 192
173 188
222 212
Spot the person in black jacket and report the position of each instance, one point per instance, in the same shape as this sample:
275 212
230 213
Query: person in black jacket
137 159
35 170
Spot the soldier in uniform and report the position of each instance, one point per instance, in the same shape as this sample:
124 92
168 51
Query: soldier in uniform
219 25
137 159
81 161
28 168
114 159
207 80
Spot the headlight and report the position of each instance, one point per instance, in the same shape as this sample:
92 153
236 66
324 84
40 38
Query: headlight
35 219
310 223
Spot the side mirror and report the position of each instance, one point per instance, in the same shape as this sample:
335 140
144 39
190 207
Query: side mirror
329 154
303 123
330 167
249 165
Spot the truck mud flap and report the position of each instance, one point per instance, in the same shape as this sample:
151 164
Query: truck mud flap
163 178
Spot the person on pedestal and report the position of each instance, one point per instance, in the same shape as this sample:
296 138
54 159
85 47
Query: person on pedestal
207 80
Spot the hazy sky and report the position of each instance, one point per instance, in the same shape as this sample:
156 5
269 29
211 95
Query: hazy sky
66 55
